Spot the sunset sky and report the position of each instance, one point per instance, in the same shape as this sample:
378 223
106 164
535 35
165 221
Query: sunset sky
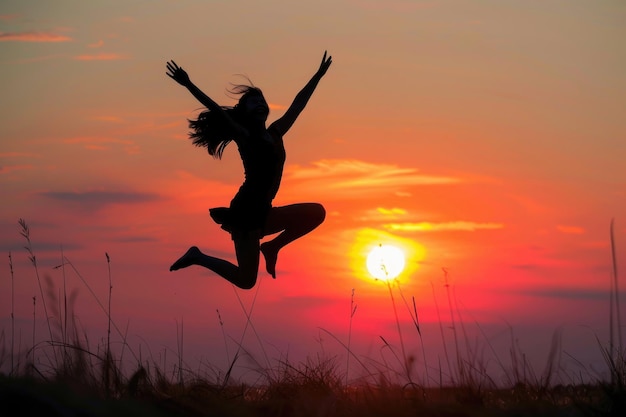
483 137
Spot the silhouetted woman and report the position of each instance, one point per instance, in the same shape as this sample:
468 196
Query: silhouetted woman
251 216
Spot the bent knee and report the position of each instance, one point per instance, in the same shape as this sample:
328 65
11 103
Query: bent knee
318 213
247 282
321 213
247 276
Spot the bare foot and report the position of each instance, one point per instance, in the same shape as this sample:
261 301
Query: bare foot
189 258
271 256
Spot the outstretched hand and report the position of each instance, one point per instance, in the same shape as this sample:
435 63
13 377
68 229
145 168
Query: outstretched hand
177 73
325 64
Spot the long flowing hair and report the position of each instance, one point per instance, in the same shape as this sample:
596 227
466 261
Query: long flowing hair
210 131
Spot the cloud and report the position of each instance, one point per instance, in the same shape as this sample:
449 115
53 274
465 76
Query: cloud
380 214
402 6
17 245
135 239
95 139
306 301
274 106
335 167
354 175
111 119
391 212
96 44
568 293
19 155
100 143
464 226
96 147
572 230
526 267
103 56
349 178
100 199
41 58
33 37
8 17
4 169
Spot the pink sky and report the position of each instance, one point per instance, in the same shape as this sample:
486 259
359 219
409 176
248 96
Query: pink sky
483 137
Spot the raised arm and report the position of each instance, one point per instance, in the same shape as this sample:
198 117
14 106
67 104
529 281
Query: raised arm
181 77
302 98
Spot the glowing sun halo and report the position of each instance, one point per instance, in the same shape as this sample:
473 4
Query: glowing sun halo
385 262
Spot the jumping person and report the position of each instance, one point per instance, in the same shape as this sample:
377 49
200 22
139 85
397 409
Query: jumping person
250 215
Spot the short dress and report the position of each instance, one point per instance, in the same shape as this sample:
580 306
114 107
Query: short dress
263 158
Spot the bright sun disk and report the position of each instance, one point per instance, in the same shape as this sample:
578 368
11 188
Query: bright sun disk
385 262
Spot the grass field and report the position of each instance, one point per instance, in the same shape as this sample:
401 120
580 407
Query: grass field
67 376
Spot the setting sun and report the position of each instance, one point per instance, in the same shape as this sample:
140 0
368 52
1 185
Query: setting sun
369 252
385 262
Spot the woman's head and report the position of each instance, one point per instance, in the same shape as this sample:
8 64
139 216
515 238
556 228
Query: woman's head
252 106
209 129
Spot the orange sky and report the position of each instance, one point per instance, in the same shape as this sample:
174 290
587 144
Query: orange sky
484 137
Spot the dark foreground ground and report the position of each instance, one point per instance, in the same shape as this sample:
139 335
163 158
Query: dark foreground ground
31 397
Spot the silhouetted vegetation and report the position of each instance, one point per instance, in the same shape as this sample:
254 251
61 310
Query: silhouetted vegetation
67 376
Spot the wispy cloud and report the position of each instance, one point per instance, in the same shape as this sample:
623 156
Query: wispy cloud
96 147
14 157
103 56
5 169
136 124
355 173
96 139
101 143
41 58
395 5
99 199
19 155
391 212
96 44
571 230
8 17
382 214
33 37
38 246
464 226
112 119
274 106
568 293
355 178
135 239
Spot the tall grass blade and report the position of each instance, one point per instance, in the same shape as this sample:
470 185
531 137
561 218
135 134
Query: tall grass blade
405 361
64 326
245 329
615 287
108 355
25 232
34 326
219 318
12 315
119 332
352 312
459 360
359 361
443 337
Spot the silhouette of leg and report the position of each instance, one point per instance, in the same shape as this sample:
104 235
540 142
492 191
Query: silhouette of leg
293 221
190 257
244 276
